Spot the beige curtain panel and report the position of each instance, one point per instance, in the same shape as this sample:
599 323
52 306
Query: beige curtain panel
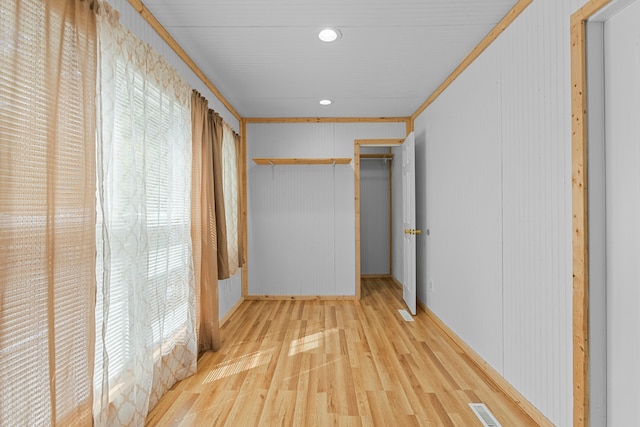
114 228
203 226
217 131
47 211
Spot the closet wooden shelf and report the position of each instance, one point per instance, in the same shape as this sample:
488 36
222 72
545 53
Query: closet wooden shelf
301 161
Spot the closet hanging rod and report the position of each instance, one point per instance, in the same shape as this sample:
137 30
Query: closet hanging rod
377 156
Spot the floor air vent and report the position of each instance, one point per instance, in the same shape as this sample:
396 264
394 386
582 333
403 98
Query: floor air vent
405 315
484 415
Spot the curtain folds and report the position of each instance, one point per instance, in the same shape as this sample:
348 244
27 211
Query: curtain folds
119 212
216 229
231 196
145 310
47 211
203 228
217 130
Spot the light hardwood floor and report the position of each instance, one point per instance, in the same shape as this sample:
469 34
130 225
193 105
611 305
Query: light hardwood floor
344 363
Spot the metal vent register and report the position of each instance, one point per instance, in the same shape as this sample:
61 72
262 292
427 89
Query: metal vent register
405 315
484 415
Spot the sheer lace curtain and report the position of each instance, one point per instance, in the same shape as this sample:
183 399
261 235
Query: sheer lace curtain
145 311
231 195
226 180
101 262
47 211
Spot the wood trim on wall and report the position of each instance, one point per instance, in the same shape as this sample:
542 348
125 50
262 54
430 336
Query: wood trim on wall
164 34
356 173
356 189
245 224
588 10
326 119
515 11
580 220
410 125
390 214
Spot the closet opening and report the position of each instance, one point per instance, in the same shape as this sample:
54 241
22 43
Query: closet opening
378 189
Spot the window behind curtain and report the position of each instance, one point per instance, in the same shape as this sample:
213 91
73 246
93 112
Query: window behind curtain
230 190
146 300
47 211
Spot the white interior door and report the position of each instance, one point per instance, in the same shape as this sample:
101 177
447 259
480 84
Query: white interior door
409 222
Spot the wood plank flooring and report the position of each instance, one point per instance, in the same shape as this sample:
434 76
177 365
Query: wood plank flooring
344 363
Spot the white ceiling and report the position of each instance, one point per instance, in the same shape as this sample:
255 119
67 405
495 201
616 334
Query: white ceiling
265 58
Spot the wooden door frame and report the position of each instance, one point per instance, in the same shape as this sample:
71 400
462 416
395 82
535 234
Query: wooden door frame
580 206
356 173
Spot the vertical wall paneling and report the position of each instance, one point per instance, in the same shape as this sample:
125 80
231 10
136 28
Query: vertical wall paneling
230 290
301 218
229 293
537 210
301 237
465 221
243 144
497 149
622 135
375 213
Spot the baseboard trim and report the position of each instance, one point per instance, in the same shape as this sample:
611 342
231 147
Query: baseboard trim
232 310
300 297
498 380
398 284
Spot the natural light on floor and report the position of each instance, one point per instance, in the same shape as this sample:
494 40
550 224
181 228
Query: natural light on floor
310 341
263 357
240 364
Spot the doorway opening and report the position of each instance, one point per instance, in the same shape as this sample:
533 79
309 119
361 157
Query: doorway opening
364 151
376 211
606 203
401 229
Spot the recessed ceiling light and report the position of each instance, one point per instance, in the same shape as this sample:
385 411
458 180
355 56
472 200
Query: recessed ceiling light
329 34
325 102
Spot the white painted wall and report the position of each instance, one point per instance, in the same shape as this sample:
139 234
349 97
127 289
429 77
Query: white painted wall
302 218
465 219
622 135
375 213
230 290
496 196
